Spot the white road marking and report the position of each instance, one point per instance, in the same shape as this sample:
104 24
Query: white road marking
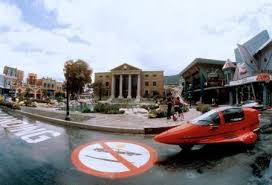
41 137
29 131
8 120
26 131
20 128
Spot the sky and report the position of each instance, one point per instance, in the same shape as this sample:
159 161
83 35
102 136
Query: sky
40 35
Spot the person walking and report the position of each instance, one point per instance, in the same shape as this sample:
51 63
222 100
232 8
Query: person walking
169 105
178 108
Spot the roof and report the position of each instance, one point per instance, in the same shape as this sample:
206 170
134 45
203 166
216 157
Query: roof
263 46
229 64
126 67
254 44
171 80
202 61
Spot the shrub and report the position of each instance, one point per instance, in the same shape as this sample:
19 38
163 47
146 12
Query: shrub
108 108
158 113
40 101
86 110
150 107
1 99
10 105
29 103
203 108
185 108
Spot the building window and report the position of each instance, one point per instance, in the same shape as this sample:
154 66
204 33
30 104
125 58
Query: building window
107 84
100 76
146 92
44 85
107 76
154 83
154 75
146 84
146 75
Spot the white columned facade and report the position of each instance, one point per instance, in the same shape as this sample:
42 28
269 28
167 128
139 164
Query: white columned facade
121 87
138 97
112 87
129 86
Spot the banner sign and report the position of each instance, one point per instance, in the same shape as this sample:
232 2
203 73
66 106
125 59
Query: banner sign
258 78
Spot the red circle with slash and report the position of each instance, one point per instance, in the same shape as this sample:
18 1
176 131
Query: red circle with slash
114 158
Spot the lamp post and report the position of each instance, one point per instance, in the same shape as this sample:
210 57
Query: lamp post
67 117
68 64
190 95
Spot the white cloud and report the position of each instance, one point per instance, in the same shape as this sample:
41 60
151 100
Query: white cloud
153 35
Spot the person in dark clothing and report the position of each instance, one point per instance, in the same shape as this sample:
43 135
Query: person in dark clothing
169 105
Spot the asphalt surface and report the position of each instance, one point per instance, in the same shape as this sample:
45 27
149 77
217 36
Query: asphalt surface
48 161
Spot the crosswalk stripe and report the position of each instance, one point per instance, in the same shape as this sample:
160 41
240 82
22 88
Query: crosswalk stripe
20 124
18 129
30 131
8 120
6 117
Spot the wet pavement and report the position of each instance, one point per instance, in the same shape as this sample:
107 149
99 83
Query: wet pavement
47 160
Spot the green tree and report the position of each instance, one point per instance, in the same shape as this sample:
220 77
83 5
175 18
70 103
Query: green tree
26 94
98 88
59 96
77 74
44 93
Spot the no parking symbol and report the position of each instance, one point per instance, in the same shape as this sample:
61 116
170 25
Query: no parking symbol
114 159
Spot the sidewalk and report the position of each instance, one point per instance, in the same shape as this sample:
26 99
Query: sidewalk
120 123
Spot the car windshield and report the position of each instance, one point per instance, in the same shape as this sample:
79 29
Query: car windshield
207 118
249 101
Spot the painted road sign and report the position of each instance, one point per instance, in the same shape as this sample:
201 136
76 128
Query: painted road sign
114 159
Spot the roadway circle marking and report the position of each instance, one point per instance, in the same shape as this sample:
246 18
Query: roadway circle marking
114 158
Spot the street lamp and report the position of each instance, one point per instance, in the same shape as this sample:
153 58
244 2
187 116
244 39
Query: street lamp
67 66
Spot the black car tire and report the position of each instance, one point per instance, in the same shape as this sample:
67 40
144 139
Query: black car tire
186 147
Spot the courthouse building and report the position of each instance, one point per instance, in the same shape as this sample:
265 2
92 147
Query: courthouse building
127 81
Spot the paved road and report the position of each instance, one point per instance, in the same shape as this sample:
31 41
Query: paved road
43 156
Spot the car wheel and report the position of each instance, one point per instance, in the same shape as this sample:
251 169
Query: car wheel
186 147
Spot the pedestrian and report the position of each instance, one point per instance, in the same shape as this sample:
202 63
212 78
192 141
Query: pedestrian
178 108
169 105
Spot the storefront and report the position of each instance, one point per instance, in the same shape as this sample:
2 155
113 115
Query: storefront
204 82
251 88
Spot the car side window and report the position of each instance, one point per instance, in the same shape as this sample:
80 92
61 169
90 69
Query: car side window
233 115
215 118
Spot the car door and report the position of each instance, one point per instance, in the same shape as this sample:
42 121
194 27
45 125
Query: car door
210 129
234 120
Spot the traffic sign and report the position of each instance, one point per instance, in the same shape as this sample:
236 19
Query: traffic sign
114 159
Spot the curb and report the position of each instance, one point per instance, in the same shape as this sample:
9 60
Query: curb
83 126
145 130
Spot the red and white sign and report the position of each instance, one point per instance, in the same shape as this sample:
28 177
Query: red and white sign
114 159
258 78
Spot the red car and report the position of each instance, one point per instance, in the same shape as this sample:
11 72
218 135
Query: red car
221 125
